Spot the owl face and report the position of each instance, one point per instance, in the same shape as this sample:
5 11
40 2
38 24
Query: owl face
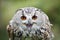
28 16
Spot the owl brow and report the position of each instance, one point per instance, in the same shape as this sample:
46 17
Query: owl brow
18 10
39 10
22 12
35 13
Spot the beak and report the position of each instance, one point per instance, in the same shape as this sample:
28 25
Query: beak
29 24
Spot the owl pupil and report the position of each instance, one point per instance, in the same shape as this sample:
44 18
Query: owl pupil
34 17
23 17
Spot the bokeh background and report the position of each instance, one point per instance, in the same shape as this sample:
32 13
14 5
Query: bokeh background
50 7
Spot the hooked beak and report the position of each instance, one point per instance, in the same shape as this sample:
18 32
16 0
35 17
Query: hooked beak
29 24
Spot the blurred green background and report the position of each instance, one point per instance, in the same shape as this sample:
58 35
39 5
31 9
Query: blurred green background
50 7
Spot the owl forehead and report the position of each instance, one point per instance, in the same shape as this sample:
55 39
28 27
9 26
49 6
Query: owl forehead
28 10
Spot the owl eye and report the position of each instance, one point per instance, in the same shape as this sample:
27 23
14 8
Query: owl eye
23 17
34 17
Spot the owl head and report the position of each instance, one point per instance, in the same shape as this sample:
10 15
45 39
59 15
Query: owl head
30 17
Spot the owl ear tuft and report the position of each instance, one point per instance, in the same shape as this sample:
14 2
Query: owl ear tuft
18 10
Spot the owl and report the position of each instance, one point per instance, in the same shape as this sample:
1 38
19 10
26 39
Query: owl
29 23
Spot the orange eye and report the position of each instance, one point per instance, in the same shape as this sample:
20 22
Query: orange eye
34 17
23 17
